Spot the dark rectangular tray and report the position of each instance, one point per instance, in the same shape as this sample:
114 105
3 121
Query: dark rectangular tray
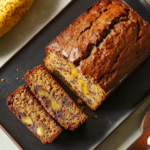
122 103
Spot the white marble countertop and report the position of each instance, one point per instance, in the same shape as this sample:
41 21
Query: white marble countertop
120 139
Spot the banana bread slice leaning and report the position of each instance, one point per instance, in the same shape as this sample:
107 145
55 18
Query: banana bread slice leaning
99 50
29 111
54 99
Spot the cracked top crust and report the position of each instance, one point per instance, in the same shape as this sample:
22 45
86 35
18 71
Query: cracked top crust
105 42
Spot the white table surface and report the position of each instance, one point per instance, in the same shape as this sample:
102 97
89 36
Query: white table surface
120 139
6 143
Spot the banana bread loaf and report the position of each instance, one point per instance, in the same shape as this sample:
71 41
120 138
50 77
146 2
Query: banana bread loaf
99 50
32 114
54 99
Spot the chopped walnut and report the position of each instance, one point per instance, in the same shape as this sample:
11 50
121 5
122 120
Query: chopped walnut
80 102
94 117
2 80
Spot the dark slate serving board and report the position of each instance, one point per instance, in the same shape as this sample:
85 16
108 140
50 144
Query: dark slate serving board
124 101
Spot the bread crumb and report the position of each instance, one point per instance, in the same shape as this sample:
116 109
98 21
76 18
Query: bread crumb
17 69
7 93
80 102
17 78
2 80
82 107
94 117
22 78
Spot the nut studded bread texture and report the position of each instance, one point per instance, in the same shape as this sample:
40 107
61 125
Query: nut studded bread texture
99 50
32 114
54 99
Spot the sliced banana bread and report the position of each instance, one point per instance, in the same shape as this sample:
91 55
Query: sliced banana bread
28 110
54 99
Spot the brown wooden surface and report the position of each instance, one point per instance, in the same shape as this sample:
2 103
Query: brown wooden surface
141 142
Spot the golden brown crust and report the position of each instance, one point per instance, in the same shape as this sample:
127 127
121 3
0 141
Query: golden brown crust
15 109
70 116
89 42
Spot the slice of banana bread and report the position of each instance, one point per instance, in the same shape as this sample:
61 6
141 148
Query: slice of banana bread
28 110
99 50
54 99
